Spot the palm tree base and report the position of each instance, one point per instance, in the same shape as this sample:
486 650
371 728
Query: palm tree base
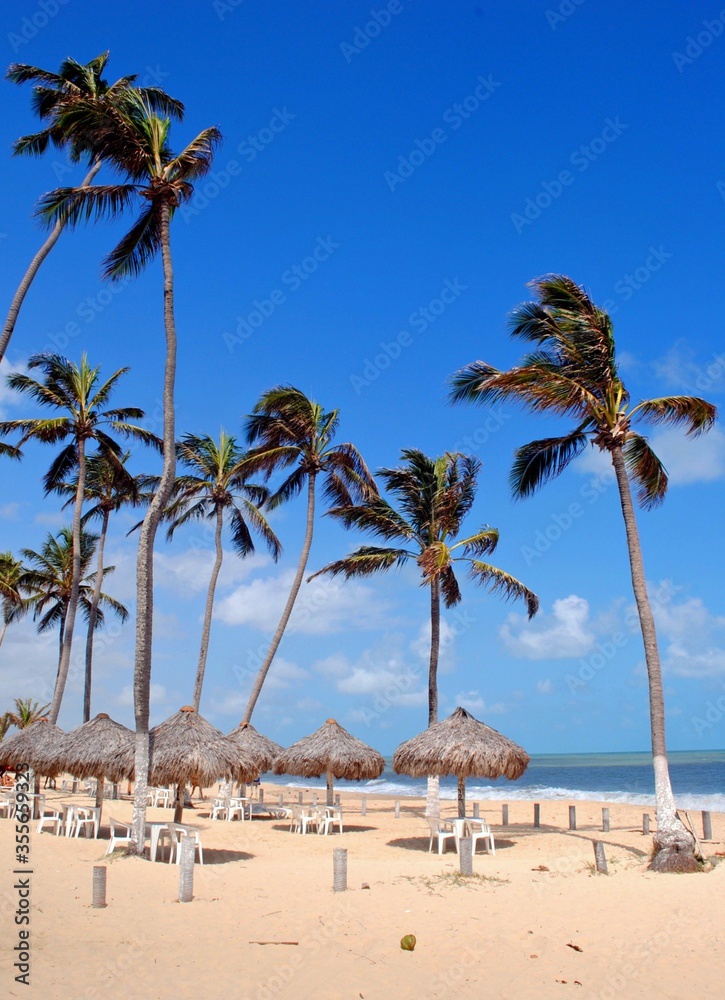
674 851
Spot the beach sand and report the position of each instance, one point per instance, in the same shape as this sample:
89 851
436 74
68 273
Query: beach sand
534 921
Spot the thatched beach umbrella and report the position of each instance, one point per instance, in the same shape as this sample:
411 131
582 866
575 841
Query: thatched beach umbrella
88 751
255 747
463 746
330 750
27 746
186 748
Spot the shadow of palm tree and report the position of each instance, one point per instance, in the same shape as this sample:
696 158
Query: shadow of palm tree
347 828
215 856
421 844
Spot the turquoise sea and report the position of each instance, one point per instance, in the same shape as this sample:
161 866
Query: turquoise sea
698 780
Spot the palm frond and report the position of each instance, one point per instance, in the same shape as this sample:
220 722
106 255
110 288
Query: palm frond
365 561
695 413
73 205
647 471
139 246
539 461
498 581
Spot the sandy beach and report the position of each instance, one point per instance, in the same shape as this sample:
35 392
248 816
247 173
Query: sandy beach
535 920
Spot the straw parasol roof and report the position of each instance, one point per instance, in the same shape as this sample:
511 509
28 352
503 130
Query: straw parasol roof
254 746
463 746
27 746
184 748
330 750
86 752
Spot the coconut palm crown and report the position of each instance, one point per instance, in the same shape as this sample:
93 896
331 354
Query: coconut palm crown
572 372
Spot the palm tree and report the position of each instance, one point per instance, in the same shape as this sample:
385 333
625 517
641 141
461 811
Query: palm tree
13 591
135 142
292 430
74 391
53 95
27 711
216 488
573 372
434 496
50 573
109 486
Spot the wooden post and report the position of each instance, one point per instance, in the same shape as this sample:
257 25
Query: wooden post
466 855
280 799
600 858
537 814
397 808
337 798
339 869
605 820
572 817
645 824
314 799
504 815
706 826
461 797
476 808
186 868
364 806
299 798
261 796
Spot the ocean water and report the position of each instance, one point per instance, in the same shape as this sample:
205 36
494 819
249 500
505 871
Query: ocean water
698 780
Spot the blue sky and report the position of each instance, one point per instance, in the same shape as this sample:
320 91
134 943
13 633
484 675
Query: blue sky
386 187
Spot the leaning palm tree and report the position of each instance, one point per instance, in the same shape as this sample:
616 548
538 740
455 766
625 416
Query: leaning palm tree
50 574
75 392
109 486
434 496
135 142
53 95
291 430
215 488
572 372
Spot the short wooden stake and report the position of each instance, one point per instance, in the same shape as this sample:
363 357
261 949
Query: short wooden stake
280 799
605 821
99 886
299 798
261 796
537 814
314 799
337 799
364 806
466 855
504 815
600 858
339 869
476 808
645 824
397 808
572 817
186 868
706 826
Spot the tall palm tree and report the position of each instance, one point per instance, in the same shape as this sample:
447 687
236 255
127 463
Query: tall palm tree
291 430
215 488
50 573
13 591
135 142
433 498
572 372
109 486
74 391
53 95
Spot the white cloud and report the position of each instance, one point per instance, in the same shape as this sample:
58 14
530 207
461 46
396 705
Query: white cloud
566 632
380 674
545 686
190 571
446 654
9 511
477 705
692 639
8 397
691 460
679 370
158 696
323 606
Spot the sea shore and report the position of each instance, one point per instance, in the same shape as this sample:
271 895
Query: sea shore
534 921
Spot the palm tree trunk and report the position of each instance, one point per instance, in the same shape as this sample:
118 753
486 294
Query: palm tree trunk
92 615
206 630
3 630
145 559
35 263
673 845
296 584
70 616
433 802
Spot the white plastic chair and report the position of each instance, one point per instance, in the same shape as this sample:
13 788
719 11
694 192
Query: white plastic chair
480 830
86 818
177 832
220 809
116 838
51 817
239 807
302 817
443 830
